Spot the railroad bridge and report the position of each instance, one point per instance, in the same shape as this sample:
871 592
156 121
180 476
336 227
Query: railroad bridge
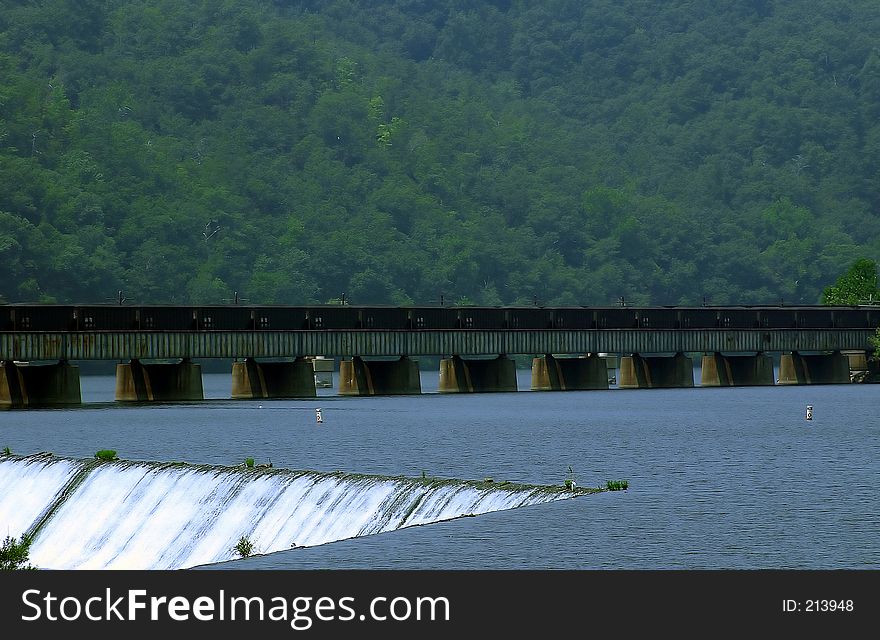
272 347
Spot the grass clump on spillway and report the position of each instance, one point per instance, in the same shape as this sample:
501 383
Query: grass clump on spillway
244 547
7 451
617 485
108 455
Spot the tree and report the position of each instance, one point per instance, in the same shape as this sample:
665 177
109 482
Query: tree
14 554
875 342
856 286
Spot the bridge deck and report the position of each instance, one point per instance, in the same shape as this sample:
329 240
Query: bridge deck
123 345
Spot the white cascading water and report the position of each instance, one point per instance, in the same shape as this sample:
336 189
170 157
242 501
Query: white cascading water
28 486
145 515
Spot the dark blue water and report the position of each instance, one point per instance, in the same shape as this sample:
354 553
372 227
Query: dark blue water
719 478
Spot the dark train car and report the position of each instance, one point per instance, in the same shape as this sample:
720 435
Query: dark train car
851 318
862 317
526 318
224 318
815 318
432 318
572 318
106 318
481 317
280 318
332 317
383 318
697 318
738 318
162 318
617 318
777 318
38 318
657 318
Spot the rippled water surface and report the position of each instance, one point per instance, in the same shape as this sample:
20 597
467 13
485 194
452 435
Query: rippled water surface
719 478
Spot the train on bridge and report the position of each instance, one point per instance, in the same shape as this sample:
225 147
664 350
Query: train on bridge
108 317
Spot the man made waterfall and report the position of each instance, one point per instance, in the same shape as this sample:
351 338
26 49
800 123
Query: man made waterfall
28 487
89 514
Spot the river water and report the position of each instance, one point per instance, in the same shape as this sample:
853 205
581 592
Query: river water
718 478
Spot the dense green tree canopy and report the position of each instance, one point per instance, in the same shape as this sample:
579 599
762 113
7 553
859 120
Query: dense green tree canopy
857 286
399 150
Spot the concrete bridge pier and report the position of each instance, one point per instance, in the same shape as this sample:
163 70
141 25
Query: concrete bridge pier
655 372
736 371
827 368
359 377
858 360
458 375
138 382
252 379
862 366
24 385
569 374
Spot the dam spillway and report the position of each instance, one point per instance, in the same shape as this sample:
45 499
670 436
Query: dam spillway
91 514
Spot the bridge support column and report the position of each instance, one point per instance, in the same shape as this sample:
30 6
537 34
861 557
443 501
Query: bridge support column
736 371
358 377
458 375
862 367
252 379
569 374
640 372
137 382
829 368
24 385
858 360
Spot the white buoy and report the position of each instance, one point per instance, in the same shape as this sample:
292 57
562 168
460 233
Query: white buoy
318 417
809 412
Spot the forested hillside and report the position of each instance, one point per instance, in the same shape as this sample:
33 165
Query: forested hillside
564 151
